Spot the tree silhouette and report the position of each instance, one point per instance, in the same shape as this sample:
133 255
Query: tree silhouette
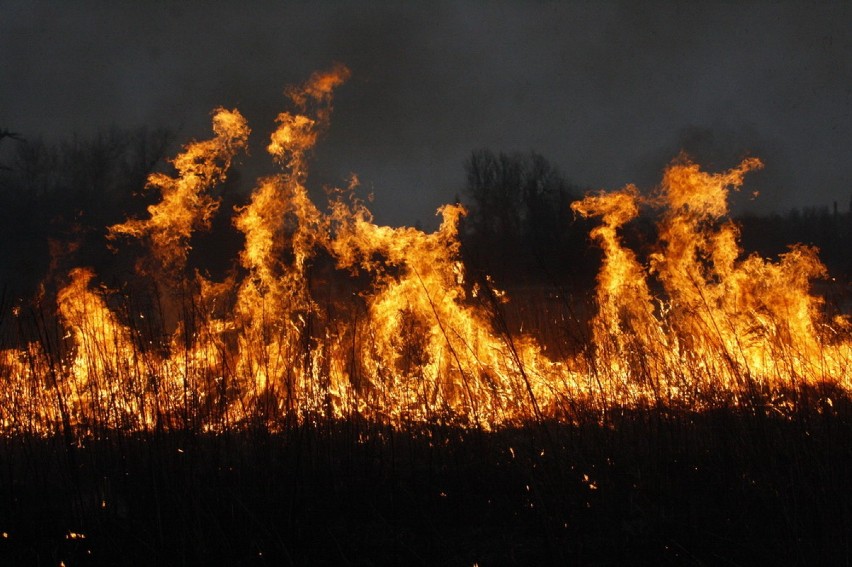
520 225
5 133
57 199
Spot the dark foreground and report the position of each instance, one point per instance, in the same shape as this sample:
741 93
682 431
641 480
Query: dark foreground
652 487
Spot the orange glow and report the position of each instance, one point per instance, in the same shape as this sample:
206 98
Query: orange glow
721 327
332 315
185 205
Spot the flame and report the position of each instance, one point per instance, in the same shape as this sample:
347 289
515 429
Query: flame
185 207
720 326
430 351
331 315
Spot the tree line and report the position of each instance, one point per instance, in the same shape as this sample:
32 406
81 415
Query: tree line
521 228
57 200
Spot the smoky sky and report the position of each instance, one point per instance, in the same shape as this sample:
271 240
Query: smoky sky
608 92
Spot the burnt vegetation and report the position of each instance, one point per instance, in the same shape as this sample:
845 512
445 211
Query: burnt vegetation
746 481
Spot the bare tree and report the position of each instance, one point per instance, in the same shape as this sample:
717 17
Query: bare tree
66 194
519 219
5 133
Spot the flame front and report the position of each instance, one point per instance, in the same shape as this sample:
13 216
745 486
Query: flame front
330 315
721 328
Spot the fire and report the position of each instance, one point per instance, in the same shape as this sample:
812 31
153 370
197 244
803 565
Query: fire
329 315
721 326
430 349
185 205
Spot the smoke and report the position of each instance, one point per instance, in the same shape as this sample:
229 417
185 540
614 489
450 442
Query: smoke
607 91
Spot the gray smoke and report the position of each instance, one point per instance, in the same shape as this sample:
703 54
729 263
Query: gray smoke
609 92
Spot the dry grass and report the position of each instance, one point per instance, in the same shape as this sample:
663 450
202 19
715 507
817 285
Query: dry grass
743 481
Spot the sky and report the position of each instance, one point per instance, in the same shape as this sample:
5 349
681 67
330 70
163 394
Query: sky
609 92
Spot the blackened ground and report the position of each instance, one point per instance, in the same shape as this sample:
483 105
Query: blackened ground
732 487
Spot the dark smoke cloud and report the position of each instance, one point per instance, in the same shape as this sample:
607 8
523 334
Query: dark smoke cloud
609 92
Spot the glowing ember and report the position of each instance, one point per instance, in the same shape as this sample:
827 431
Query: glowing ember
333 316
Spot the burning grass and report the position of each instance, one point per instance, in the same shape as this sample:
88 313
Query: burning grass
693 324
339 352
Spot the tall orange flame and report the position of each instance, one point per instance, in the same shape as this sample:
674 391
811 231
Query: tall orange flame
334 316
185 206
721 325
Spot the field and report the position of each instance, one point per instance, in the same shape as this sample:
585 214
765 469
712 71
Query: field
756 482
350 393
647 487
